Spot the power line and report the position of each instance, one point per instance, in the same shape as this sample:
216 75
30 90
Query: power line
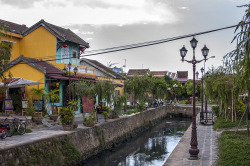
138 45
144 44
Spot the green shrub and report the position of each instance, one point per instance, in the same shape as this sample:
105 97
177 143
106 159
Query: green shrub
240 108
216 110
67 116
141 106
105 114
131 112
234 149
222 123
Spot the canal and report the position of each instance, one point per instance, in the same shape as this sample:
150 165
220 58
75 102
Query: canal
152 148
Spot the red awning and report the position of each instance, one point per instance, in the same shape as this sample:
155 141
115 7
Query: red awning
72 78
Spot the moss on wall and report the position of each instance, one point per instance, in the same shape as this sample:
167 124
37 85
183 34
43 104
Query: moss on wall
54 152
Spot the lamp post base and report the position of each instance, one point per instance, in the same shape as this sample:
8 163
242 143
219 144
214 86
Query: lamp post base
193 154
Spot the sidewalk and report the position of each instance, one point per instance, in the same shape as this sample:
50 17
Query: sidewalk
207 145
43 133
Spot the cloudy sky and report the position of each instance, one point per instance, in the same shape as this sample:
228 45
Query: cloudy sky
111 23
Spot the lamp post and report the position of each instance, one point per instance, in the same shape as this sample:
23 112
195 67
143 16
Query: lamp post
175 86
205 98
75 71
193 151
201 115
197 75
206 101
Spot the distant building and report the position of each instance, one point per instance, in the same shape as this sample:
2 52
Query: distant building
138 72
159 73
182 77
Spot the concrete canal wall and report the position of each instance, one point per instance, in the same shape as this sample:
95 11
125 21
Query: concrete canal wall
80 144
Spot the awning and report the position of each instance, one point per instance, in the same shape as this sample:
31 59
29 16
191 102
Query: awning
22 83
72 78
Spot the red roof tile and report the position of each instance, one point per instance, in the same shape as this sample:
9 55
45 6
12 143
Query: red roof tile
159 73
182 74
12 27
139 72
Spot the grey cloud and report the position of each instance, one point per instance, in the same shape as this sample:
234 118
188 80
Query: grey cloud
18 3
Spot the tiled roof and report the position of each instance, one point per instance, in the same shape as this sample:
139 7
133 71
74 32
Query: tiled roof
40 65
12 27
139 72
182 74
159 73
62 33
102 67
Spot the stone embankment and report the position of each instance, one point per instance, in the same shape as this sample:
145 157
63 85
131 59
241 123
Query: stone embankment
76 146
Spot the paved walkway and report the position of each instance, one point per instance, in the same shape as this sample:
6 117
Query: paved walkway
43 133
207 144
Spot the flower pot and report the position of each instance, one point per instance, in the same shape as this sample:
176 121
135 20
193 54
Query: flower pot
67 127
54 117
89 124
37 119
75 126
115 116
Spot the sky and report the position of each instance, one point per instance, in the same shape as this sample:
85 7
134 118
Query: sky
110 23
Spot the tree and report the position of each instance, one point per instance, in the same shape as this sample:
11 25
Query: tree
140 87
159 89
241 55
189 88
5 53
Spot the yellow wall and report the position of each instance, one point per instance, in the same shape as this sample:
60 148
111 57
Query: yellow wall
15 52
121 89
29 73
39 44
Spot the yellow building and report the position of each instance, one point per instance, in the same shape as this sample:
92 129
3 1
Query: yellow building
104 73
41 52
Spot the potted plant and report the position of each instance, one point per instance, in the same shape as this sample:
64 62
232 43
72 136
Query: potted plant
89 121
105 115
37 118
53 97
54 117
117 107
67 116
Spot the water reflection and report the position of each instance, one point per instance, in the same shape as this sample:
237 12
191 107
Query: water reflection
150 149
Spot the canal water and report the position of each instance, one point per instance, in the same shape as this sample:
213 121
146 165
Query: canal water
152 148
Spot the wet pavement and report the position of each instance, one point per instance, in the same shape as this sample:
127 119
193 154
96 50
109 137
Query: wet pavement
207 145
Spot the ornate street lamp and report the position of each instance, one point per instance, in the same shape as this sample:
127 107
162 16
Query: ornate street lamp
193 151
201 114
197 75
206 100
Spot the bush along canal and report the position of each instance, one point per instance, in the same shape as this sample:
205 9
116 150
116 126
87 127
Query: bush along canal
151 147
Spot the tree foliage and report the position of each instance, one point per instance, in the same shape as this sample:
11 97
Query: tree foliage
5 52
140 87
